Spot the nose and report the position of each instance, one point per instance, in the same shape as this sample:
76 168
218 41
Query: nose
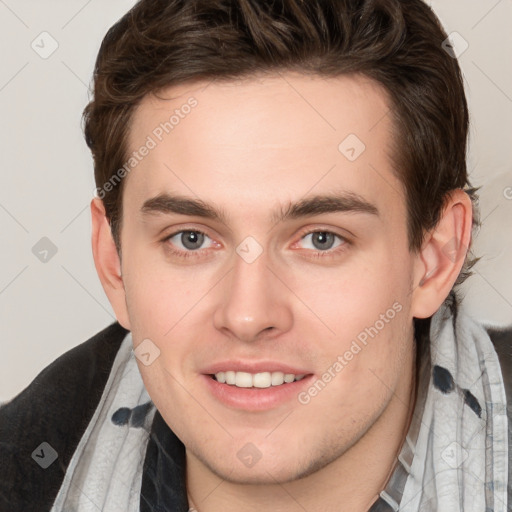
254 301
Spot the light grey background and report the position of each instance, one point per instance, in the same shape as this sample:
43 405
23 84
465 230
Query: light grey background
47 177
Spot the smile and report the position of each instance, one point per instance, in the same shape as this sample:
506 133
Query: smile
255 380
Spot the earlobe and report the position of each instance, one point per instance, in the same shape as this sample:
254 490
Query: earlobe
442 255
107 262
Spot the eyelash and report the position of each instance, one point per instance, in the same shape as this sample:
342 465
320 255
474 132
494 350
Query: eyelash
315 254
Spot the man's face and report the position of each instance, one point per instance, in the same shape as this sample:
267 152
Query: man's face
254 294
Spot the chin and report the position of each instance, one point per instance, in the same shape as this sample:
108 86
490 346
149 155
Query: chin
278 468
261 474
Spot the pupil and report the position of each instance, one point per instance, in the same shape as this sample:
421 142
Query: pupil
191 238
323 238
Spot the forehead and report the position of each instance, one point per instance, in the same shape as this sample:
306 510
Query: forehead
277 137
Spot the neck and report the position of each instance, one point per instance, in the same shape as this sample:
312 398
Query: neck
350 483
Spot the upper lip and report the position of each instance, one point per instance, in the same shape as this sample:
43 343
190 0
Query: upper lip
253 367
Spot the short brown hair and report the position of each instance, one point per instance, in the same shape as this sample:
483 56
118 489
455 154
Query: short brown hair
399 44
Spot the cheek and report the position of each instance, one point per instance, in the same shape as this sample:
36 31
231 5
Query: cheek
353 297
362 372
157 294
367 310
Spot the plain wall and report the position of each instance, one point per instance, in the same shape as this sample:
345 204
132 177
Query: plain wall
47 183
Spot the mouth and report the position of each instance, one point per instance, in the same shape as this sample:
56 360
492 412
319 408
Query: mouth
260 380
253 392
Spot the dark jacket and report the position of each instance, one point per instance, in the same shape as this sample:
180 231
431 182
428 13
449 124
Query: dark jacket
58 405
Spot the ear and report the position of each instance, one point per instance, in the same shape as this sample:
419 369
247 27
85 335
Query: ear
442 255
107 262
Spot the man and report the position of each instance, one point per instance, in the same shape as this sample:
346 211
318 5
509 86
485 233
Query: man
282 215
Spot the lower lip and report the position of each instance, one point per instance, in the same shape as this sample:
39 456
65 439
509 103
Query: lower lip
256 399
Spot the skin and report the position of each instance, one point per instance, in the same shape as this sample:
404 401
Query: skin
250 147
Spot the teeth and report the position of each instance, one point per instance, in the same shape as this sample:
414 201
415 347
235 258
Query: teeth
243 380
277 378
256 380
262 380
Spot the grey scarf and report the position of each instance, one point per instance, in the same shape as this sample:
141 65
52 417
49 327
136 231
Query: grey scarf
455 456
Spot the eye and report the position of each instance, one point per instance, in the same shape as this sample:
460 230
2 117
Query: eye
324 244
187 241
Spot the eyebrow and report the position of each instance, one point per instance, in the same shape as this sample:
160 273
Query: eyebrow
347 202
